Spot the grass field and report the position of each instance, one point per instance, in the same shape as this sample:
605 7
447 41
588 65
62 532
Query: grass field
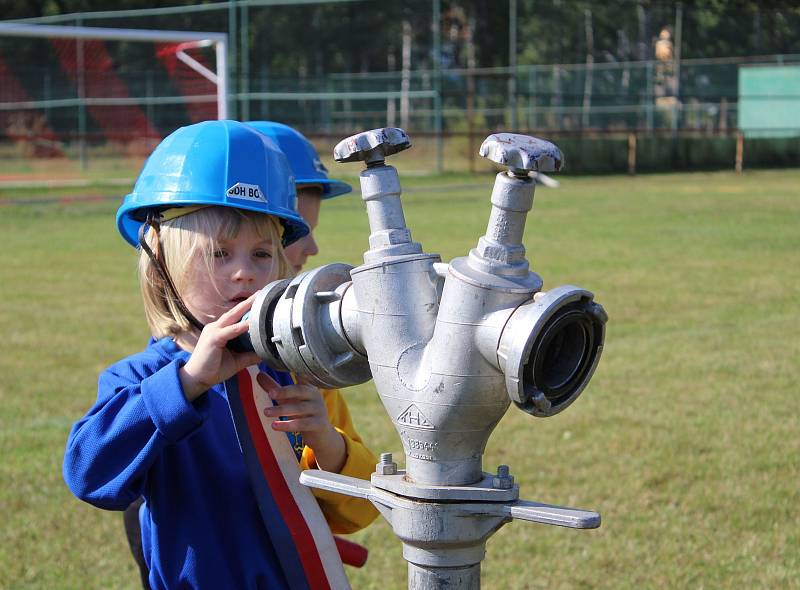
687 440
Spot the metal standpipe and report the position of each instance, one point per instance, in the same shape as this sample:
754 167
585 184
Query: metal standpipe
449 346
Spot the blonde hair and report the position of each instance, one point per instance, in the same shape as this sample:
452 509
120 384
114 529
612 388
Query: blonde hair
186 240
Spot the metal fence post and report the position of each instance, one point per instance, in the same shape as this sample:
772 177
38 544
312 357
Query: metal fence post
81 63
739 165
649 95
437 82
234 78
512 63
631 153
244 51
148 93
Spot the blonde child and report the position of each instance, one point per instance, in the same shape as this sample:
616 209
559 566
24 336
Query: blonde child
212 211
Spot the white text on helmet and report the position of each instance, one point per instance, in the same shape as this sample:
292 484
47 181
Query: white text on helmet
252 192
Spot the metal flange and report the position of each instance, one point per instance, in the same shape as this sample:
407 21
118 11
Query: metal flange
482 491
308 334
550 348
260 323
574 518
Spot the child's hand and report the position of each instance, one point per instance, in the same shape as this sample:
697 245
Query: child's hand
211 362
302 404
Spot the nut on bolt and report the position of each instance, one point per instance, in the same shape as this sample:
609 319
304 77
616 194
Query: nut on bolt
503 480
386 466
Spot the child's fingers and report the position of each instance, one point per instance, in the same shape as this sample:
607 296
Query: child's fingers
235 313
290 394
278 391
228 333
268 383
303 389
294 392
304 424
302 380
293 408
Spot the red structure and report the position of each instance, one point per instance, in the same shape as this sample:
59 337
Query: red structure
122 122
27 126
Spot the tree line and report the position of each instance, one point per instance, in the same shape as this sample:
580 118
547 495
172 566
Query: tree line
311 40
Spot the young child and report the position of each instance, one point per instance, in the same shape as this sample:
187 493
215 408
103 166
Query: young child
212 210
311 181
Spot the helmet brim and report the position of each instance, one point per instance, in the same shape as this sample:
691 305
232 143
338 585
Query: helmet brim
330 187
131 215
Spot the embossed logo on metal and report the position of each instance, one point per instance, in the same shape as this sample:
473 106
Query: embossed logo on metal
413 417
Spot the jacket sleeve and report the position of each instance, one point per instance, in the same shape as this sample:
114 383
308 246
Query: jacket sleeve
344 514
137 413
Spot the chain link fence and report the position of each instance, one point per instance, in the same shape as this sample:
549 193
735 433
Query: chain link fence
610 116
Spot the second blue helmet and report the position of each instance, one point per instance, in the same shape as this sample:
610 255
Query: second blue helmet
303 158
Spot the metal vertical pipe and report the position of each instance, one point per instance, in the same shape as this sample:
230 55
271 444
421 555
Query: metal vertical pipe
232 56
149 92
405 79
47 93
649 95
588 79
326 121
442 578
81 63
677 67
437 75
631 153
471 66
221 48
533 99
391 107
556 100
739 164
512 62
265 87
244 46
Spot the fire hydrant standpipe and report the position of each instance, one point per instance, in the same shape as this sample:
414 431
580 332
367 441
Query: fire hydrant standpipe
449 347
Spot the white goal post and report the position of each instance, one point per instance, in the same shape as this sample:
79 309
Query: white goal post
186 40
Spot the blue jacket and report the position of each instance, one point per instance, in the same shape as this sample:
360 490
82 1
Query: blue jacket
201 526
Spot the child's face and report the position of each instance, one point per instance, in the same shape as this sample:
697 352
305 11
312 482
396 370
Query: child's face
309 200
240 266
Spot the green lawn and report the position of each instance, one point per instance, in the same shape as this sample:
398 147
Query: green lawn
687 440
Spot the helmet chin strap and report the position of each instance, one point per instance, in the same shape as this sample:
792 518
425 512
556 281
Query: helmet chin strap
153 220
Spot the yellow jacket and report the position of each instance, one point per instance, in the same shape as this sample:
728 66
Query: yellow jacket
344 514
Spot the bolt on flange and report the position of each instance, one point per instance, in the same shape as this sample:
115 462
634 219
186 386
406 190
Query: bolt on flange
386 465
503 480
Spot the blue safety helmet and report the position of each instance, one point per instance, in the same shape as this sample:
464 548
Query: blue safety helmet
303 158
223 163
